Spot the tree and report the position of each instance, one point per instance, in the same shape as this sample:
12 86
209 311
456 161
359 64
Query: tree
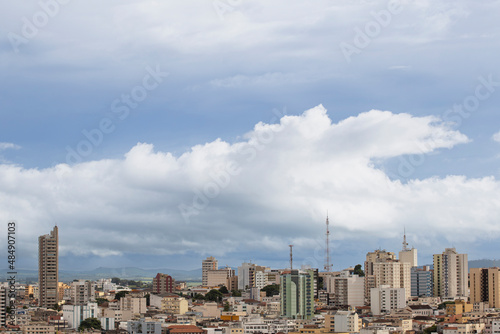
120 294
226 307
100 301
236 293
115 280
198 296
57 307
442 306
358 271
148 299
90 323
223 289
431 329
214 295
271 290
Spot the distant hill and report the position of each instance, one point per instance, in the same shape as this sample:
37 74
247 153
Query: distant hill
132 273
484 263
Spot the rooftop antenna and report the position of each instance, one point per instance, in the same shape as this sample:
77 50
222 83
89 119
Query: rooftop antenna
405 244
328 265
291 257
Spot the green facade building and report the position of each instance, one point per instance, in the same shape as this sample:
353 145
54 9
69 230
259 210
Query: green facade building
297 294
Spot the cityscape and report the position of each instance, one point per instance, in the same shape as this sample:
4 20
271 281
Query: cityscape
250 167
388 293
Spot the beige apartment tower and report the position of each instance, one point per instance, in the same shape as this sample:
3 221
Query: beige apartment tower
451 274
210 263
48 268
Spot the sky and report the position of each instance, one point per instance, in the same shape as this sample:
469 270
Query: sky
157 133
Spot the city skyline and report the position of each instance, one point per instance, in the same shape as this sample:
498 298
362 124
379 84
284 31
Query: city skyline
162 132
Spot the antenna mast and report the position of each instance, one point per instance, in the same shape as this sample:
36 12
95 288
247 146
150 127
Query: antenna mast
328 266
405 244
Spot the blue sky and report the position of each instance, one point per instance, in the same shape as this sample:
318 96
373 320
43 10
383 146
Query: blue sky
156 133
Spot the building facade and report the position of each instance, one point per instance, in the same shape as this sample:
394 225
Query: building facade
48 269
297 294
346 290
82 292
451 274
485 286
394 274
421 282
75 314
210 263
385 299
163 283
220 277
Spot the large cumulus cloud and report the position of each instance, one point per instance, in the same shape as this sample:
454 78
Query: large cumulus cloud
258 194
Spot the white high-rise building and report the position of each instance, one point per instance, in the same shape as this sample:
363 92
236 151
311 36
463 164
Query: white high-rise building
75 314
260 279
346 289
246 275
385 299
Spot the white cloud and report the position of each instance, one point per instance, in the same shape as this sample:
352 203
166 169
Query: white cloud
264 191
6 146
496 137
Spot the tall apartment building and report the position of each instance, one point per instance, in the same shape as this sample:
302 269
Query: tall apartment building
385 299
377 256
485 286
163 283
451 274
371 258
82 292
394 274
210 263
48 269
421 282
297 294
346 290
246 275
4 302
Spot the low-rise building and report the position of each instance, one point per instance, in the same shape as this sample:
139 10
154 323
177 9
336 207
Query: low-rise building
38 328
